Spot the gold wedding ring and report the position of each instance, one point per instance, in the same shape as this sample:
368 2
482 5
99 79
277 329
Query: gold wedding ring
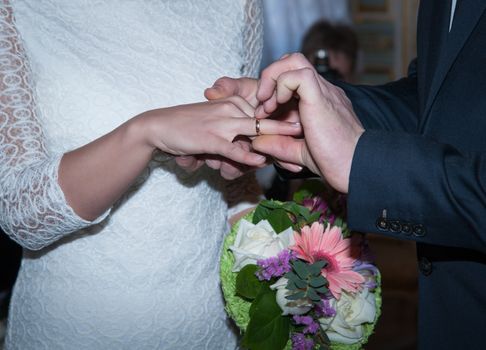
257 126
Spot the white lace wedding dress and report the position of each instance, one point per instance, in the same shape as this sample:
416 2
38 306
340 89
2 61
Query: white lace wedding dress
145 275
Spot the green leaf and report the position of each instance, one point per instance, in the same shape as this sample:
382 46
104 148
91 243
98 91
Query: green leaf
291 285
271 204
317 282
296 296
313 218
315 268
339 222
296 209
323 289
312 294
247 284
279 220
301 284
267 329
301 194
292 277
301 269
309 189
261 213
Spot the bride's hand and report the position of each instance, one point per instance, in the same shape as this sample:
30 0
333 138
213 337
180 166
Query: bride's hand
209 128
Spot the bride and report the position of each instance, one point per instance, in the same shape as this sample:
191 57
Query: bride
122 246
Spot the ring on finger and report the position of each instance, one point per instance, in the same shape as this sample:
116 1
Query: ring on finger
257 127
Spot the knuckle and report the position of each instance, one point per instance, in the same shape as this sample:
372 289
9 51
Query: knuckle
300 58
266 74
307 72
227 106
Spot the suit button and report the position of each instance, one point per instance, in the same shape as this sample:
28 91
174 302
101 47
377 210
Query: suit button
418 230
425 266
382 224
406 228
395 226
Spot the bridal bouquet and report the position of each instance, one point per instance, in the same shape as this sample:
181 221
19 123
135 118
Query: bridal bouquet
294 277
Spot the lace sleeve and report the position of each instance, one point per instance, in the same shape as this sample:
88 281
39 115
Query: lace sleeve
252 38
33 209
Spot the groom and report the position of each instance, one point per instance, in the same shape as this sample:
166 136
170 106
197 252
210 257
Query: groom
410 154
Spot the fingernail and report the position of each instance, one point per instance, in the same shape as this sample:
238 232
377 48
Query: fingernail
296 124
260 158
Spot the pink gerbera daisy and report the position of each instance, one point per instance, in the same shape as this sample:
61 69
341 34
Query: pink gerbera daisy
314 244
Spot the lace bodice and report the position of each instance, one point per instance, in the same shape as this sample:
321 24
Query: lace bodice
33 207
70 72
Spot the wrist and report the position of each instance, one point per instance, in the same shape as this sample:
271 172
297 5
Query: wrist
140 129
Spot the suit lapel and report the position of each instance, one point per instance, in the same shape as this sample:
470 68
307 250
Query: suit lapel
466 17
432 24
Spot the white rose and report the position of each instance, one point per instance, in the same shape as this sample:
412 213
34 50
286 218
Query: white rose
290 307
352 311
260 241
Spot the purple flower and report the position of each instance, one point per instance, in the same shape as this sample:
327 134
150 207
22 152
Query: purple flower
275 266
300 342
317 204
324 309
368 271
311 326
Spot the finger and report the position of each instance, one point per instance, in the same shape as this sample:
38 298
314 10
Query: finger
260 112
284 148
189 163
242 104
270 105
254 127
213 163
301 81
226 87
235 152
231 171
277 127
268 79
289 166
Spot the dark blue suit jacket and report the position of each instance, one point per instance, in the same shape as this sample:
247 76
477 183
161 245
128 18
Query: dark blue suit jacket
422 159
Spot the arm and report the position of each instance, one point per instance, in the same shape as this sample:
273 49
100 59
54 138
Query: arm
431 192
46 196
392 106
33 209
422 184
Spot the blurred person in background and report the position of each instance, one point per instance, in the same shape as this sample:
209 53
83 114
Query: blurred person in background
332 49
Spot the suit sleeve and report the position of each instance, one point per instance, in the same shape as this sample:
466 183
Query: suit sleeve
405 185
391 107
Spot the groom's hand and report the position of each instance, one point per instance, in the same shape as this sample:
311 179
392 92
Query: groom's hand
246 88
330 125
225 87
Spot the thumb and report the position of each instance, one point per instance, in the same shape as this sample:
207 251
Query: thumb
222 88
225 87
289 152
284 148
